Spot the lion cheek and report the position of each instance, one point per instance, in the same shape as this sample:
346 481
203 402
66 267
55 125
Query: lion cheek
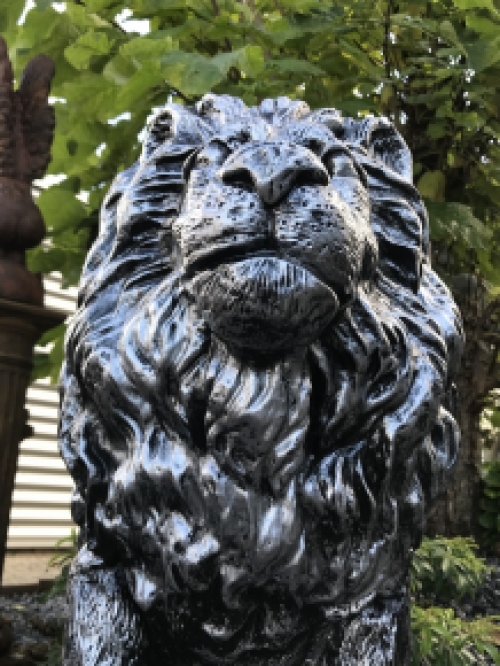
264 304
325 236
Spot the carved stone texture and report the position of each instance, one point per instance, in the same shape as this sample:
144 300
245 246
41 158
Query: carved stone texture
257 395
26 132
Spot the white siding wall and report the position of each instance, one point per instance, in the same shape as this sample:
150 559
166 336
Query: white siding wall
40 513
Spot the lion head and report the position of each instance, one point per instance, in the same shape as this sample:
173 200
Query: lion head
258 380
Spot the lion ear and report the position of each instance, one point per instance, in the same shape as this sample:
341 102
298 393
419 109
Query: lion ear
382 142
398 216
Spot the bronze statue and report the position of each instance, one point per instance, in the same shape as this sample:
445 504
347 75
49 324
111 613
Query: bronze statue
257 396
26 131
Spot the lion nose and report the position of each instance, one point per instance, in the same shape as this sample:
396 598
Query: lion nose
273 169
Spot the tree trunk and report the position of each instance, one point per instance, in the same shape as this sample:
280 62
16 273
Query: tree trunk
457 512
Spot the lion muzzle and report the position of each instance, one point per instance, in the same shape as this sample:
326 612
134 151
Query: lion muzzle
257 232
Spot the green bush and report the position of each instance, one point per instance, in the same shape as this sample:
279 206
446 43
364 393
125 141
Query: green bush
489 516
69 548
442 639
54 656
445 570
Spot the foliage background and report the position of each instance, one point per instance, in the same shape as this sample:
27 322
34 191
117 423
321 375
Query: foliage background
432 66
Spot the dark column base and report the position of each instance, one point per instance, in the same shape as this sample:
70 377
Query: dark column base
20 327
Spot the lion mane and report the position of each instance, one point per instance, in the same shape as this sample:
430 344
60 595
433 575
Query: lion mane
251 482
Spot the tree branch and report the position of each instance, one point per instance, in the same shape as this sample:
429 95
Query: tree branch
118 27
257 17
387 39
370 58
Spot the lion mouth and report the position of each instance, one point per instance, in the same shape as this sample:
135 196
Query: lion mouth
212 258
230 253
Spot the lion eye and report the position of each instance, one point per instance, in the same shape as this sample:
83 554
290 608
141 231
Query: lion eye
238 139
244 136
159 131
213 154
203 160
161 128
314 145
240 180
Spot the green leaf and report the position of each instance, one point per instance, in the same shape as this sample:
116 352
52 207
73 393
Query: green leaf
150 47
60 208
483 53
83 19
191 73
9 14
52 335
119 70
43 4
448 32
253 62
438 129
492 493
154 7
482 25
493 477
67 259
432 184
292 65
100 5
87 46
487 520
49 363
475 4
487 504
387 94
249 60
92 94
137 88
455 221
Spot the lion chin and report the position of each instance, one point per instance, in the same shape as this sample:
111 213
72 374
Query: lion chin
257 394
264 304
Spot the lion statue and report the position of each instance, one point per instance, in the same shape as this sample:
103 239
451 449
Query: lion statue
257 395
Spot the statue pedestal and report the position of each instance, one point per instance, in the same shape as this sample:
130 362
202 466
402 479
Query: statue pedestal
21 325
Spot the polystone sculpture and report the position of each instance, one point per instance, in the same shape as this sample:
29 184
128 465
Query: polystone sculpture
257 396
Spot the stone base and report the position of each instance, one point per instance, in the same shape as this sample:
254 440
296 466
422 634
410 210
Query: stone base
106 626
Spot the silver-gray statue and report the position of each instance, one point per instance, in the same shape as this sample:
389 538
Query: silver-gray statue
257 395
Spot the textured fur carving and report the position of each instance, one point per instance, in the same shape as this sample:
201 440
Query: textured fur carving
257 394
